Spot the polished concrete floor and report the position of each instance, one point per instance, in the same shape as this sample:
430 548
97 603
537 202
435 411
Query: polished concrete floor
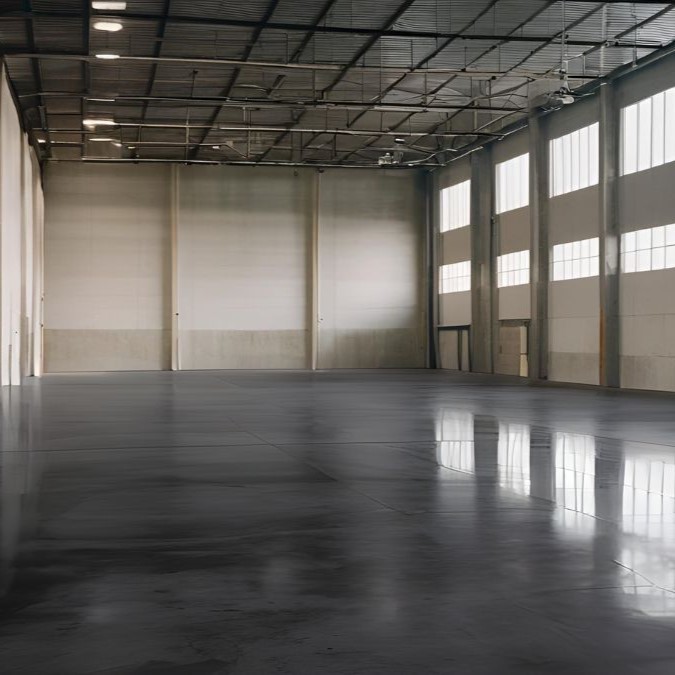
366 523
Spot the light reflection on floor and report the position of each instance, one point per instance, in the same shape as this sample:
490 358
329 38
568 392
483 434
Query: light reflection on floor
642 485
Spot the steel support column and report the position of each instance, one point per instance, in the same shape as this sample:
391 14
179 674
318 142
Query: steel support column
539 251
481 261
610 330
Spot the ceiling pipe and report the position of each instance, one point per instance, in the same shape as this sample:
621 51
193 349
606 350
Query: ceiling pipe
276 129
275 65
305 165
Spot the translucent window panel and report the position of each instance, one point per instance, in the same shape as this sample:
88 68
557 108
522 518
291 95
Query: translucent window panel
575 260
648 249
644 134
455 278
648 132
574 161
629 126
669 123
513 269
456 206
658 129
513 183
593 154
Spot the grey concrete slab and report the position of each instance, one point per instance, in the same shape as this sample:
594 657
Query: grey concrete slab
353 522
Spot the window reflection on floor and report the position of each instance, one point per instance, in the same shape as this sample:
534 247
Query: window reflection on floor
648 496
575 472
649 516
513 457
455 447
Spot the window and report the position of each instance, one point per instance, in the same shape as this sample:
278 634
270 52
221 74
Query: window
513 183
513 269
648 132
456 206
576 260
456 277
574 161
650 249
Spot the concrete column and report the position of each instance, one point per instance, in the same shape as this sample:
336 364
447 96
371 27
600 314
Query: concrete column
431 260
539 249
314 315
482 282
175 346
610 333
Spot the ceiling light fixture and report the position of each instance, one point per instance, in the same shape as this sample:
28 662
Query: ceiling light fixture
108 57
101 139
99 123
109 26
108 4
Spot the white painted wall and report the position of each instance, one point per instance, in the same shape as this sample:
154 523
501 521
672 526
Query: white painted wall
107 263
371 270
20 227
647 299
243 265
10 237
454 309
574 330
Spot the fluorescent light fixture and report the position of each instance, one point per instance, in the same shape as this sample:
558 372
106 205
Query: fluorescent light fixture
99 123
117 144
107 57
101 100
109 26
41 140
108 4
101 139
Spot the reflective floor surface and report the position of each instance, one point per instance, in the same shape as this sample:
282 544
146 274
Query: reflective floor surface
363 522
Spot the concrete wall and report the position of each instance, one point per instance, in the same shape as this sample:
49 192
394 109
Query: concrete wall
243 237
241 285
371 281
454 309
574 330
107 264
647 199
574 305
647 301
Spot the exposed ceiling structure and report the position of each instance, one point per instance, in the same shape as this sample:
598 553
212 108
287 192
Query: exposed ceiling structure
306 82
